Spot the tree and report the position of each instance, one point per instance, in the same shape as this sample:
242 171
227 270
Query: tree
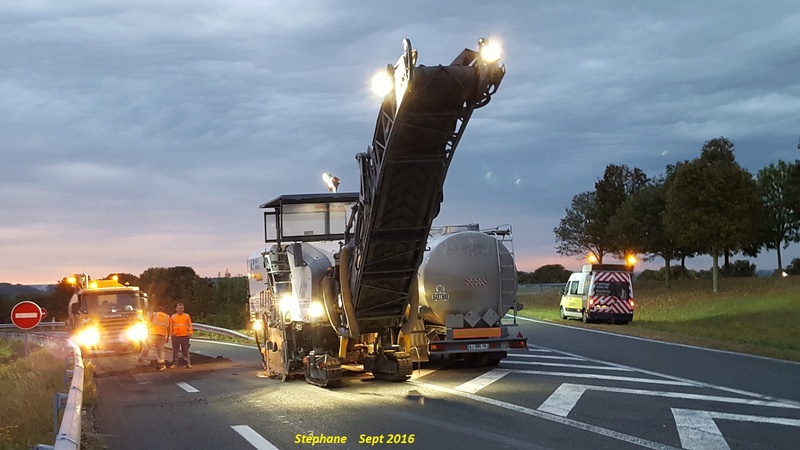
586 227
550 273
579 231
781 224
611 192
640 222
794 267
713 204
169 286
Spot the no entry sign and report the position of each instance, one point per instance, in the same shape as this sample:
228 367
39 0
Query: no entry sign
26 315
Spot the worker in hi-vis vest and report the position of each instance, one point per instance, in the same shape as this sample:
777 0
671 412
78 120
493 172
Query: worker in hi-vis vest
180 328
158 331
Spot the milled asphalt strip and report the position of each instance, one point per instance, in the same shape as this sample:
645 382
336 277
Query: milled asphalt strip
255 439
550 417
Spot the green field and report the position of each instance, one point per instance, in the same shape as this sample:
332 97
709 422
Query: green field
750 315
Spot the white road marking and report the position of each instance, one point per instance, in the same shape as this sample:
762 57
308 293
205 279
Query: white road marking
186 387
544 322
686 380
255 439
567 395
697 429
570 357
563 399
575 366
596 376
476 384
551 417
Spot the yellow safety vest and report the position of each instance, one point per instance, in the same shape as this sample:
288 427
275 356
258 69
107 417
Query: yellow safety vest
159 323
180 324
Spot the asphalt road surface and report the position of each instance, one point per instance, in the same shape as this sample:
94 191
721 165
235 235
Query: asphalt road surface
573 388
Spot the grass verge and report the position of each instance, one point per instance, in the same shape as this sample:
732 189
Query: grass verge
749 315
29 384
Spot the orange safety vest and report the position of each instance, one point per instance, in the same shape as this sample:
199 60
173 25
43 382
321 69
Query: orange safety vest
159 323
180 324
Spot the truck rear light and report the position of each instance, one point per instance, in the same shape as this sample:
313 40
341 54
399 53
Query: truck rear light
631 303
518 344
437 347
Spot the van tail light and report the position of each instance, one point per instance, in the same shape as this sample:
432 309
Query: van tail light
631 303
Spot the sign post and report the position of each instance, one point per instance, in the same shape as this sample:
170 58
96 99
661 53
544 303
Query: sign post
25 316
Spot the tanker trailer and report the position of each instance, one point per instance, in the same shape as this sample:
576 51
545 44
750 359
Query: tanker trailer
467 283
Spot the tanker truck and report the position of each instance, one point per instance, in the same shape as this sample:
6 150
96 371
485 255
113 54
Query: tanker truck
106 316
467 283
337 283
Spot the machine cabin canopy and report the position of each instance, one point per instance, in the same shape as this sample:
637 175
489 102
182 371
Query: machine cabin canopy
308 217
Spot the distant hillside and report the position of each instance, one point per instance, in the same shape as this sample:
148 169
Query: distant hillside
13 290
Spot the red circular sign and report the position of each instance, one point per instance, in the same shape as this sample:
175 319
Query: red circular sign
26 315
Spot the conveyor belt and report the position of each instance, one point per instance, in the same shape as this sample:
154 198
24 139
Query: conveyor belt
402 180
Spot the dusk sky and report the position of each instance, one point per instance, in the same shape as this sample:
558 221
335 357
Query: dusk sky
146 134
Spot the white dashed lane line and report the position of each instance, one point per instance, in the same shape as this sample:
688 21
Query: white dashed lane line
186 387
255 439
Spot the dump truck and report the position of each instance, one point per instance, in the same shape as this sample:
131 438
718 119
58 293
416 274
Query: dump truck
106 316
338 282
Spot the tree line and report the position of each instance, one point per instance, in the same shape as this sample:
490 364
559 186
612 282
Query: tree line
706 206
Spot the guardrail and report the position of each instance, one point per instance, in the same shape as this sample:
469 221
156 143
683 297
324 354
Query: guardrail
69 432
41 324
222 331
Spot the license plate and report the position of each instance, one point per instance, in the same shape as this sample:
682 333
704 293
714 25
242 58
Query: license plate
477 346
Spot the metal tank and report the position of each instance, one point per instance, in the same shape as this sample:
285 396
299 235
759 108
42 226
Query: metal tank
466 272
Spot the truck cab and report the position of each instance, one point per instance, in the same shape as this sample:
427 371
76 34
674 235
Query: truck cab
106 316
599 292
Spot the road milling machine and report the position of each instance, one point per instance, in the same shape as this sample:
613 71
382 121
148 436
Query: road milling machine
338 283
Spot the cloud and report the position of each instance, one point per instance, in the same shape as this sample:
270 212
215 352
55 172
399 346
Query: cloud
158 128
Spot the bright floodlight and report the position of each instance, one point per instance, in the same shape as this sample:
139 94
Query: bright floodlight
382 83
331 181
490 50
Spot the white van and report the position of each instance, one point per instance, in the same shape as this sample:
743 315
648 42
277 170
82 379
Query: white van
602 292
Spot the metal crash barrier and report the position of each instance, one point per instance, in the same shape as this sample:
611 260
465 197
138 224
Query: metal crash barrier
68 436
